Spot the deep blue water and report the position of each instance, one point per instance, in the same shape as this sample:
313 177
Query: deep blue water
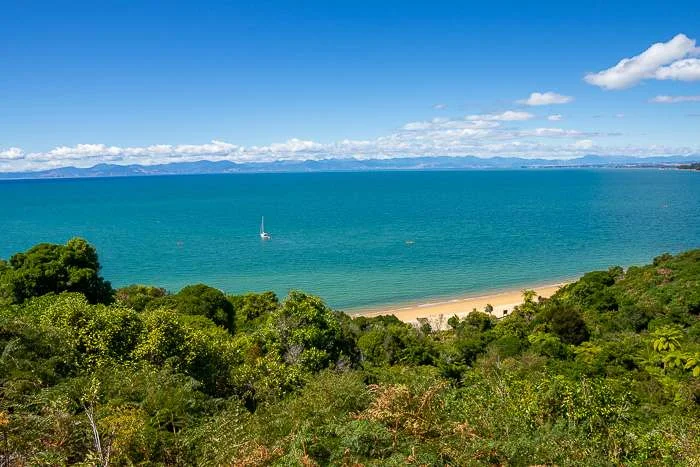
343 235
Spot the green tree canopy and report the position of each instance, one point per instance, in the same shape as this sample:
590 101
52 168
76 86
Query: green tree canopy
202 300
138 297
249 307
304 331
565 321
52 268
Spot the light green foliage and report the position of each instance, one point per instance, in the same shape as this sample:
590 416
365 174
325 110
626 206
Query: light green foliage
192 344
100 334
692 363
249 308
587 352
546 344
666 338
515 325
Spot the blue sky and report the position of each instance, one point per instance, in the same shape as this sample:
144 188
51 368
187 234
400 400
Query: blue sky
89 82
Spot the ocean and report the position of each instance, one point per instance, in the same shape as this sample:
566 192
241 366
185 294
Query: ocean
361 239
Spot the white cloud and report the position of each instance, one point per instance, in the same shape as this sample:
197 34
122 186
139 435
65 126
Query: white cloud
11 154
440 106
555 117
550 132
663 60
682 70
674 99
287 149
437 124
583 144
620 115
507 116
546 98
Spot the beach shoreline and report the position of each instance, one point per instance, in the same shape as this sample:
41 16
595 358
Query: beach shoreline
438 311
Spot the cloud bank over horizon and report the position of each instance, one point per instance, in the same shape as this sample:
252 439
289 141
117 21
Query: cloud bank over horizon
480 135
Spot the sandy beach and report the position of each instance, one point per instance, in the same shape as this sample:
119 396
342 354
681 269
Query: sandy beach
438 312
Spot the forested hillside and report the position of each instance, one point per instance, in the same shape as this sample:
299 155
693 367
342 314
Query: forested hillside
605 372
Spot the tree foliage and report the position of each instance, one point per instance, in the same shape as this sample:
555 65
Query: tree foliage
138 297
202 300
50 268
605 372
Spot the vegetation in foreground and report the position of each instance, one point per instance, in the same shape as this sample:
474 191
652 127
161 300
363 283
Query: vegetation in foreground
605 372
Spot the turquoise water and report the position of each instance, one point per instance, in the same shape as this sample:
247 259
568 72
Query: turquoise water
343 235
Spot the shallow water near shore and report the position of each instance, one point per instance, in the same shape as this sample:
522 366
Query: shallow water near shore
362 239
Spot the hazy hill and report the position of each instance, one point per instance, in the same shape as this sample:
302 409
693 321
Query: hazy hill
350 164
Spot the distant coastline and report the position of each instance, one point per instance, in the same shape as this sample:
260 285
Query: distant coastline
691 166
202 167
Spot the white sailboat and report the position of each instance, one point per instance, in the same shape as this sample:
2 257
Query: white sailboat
263 235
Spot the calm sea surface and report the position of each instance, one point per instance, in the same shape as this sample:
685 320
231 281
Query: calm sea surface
344 235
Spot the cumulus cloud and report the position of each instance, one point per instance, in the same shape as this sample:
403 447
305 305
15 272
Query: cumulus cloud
545 98
663 60
555 117
83 152
551 132
674 99
507 116
12 153
450 124
291 146
583 144
682 70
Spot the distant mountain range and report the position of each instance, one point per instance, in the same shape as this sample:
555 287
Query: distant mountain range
339 165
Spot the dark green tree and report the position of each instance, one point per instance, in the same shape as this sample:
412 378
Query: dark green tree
206 301
565 321
52 268
593 290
